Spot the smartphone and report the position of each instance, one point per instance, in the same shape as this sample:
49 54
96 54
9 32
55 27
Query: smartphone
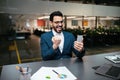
79 38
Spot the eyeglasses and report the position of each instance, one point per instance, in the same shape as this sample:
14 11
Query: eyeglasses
57 22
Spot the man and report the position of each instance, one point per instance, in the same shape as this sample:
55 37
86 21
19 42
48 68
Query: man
58 44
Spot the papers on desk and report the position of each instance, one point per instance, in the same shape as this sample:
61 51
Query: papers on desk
113 58
53 73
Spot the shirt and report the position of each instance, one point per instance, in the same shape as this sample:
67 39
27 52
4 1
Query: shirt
61 36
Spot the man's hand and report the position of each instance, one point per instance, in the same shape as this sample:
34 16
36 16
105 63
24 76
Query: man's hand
56 41
78 45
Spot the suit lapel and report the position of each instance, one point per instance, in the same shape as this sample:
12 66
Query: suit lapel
65 40
50 43
49 37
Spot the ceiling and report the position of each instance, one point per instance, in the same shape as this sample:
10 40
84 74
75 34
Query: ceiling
108 2
97 2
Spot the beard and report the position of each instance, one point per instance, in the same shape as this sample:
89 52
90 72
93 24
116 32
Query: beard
58 29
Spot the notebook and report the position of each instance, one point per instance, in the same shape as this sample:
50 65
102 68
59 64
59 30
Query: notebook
109 70
113 58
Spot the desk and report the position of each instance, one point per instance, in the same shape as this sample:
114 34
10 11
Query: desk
81 69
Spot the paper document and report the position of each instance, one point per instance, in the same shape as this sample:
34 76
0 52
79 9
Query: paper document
53 73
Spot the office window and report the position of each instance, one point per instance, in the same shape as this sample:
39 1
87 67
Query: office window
74 22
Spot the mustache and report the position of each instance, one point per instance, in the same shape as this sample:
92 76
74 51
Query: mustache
58 26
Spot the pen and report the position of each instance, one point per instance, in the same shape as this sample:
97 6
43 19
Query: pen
27 69
56 72
19 68
62 76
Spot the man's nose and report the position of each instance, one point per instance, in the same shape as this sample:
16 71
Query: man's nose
60 24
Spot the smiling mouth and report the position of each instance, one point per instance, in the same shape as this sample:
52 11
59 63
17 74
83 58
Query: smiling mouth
58 26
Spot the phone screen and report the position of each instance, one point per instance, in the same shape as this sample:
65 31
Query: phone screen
79 38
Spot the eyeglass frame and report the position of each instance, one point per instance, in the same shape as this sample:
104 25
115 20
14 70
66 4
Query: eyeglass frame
57 22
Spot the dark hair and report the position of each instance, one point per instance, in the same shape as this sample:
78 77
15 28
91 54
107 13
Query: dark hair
55 13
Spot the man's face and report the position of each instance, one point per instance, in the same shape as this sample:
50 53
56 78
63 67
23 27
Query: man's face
57 23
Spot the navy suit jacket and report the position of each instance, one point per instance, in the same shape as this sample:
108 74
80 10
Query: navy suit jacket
48 53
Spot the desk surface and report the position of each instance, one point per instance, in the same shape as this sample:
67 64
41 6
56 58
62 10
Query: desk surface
81 69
